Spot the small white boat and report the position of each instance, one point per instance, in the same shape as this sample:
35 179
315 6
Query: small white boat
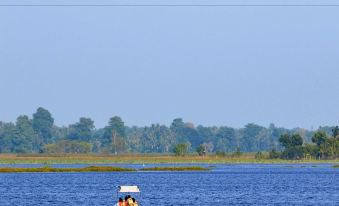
131 190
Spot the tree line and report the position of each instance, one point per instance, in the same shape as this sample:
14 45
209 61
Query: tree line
39 134
323 146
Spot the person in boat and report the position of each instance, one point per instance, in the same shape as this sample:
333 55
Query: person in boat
125 201
129 201
120 202
135 203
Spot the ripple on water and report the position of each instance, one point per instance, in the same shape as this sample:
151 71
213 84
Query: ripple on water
225 185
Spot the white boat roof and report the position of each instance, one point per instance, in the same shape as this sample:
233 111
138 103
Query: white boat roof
129 189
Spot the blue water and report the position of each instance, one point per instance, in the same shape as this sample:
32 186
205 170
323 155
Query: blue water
244 184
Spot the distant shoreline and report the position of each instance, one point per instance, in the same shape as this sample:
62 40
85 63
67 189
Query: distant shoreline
45 169
145 159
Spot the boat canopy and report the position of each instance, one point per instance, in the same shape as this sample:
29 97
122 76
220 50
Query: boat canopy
129 189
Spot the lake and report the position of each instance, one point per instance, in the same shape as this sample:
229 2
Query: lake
235 184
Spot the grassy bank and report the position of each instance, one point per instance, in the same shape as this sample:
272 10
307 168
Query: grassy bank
50 169
140 159
98 169
194 168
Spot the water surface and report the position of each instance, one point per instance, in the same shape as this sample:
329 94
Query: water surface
241 184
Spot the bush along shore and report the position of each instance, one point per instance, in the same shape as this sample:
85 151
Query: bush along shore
98 169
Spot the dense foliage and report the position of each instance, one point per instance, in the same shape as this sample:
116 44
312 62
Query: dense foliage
41 135
324 146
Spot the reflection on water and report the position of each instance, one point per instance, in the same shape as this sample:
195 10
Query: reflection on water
244 184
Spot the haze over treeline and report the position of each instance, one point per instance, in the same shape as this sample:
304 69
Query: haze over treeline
39 134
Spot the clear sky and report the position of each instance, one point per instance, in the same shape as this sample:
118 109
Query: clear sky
209 65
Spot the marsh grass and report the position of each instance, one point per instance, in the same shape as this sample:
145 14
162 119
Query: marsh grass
141 159
193 168
51 169
335 166
98 169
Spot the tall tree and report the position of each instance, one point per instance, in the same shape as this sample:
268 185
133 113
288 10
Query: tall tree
116 124
185 132
293 146
81 130
289 141
114 135
25 134
226 138
42 125
157 138
335 131
319 138
177 125
7 132
251 137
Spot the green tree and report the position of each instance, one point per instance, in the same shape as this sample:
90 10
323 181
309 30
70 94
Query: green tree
66 146
25 135
157 139
273 154
311 150
226 139
134 139
208 134
335 131
293 146
251 135
274 135
117 125
297 140
60 133
319 138
289 141
185 132
42 125
177 125
7 132
82 130
150 139
201 150
181 149
114 135
334 142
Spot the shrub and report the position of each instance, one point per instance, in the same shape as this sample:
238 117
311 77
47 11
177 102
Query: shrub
273 154
237 153
221 154
260 155
181 149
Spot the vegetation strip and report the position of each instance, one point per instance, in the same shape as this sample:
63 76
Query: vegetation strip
336 166
193 168
146 159
51 169
99 169
38 135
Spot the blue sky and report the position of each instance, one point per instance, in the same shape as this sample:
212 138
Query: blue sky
208 65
